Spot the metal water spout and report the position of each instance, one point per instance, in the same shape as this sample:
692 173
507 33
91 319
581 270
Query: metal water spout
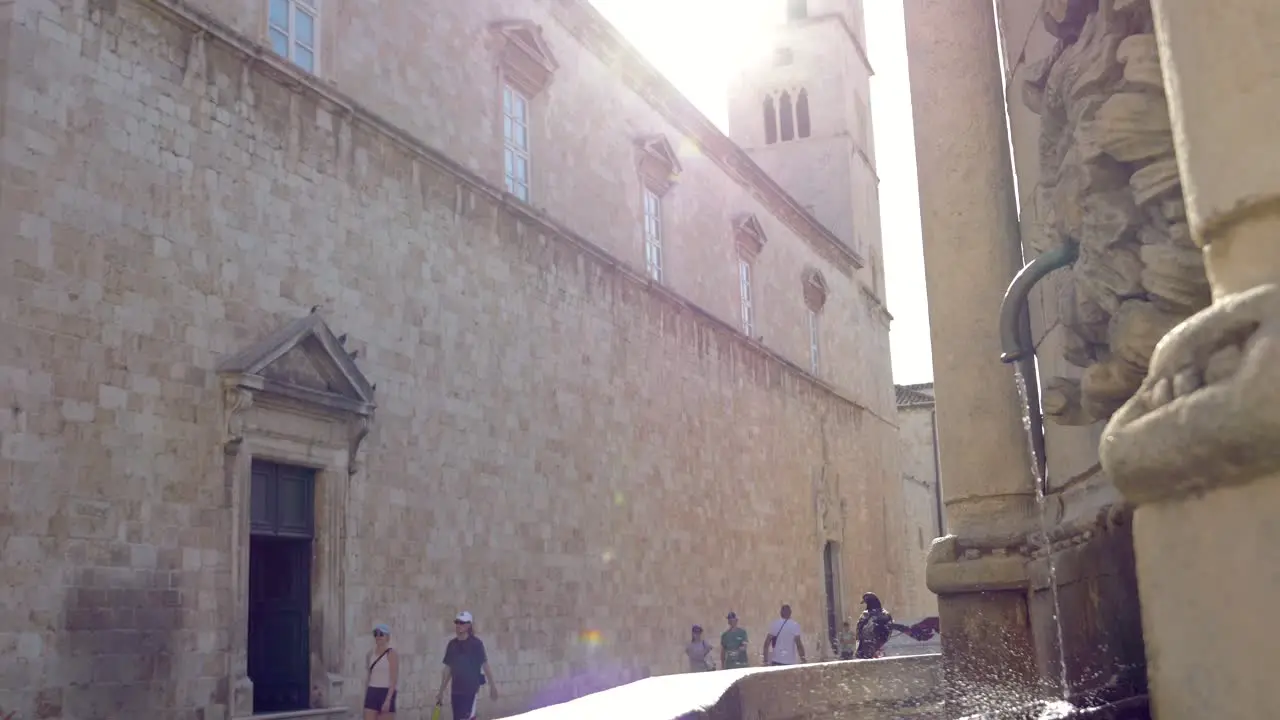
1018 346
1015 341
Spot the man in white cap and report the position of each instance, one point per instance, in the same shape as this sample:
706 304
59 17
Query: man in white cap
466 666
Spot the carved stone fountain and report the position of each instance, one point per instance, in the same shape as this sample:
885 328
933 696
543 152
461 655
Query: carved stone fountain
1106 146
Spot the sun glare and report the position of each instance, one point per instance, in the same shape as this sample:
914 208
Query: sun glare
703 46
700 45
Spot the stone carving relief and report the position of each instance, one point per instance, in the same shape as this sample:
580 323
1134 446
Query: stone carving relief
298 367
1206 414
826 503
1109 183
236 402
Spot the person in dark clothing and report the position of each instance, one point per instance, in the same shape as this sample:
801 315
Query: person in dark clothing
873 628
466 666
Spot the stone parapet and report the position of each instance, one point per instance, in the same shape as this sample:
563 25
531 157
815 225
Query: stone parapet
891 688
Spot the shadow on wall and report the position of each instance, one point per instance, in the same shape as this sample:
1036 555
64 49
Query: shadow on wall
118 640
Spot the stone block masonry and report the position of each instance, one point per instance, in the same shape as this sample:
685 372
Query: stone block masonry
588 463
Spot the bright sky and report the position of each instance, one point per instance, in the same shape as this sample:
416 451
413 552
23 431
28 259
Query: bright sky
699 44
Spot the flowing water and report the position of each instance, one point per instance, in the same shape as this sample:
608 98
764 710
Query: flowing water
1041 501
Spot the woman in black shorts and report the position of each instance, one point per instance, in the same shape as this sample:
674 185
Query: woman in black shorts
384 671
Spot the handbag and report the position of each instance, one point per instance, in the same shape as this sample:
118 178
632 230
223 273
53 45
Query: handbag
773 639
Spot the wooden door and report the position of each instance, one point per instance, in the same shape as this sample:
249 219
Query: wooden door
280 547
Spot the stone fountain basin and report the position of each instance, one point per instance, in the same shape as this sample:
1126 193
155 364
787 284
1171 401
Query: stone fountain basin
884 689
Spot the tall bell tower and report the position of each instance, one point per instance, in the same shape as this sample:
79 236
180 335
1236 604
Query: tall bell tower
802 110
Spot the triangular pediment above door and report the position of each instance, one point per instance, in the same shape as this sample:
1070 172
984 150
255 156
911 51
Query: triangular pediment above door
306 362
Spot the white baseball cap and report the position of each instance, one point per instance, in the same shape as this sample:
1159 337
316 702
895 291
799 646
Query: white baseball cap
463 617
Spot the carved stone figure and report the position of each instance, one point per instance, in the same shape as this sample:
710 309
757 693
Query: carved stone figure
823 499
1109 183
1206 415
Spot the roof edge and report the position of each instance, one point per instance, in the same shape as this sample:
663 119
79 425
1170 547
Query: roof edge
606 42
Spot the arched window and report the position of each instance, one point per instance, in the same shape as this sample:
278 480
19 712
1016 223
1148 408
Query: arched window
802 114
770 122
786 118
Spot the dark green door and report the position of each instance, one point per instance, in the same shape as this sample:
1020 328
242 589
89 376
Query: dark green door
282 516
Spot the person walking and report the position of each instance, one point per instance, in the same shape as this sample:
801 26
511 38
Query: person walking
383 673
699 652
733 644
466 667
783 645
873 627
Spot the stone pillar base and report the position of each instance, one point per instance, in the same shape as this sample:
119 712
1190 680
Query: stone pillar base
1098 607
988 649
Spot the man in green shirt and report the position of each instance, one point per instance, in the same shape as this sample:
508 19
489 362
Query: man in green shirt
733 645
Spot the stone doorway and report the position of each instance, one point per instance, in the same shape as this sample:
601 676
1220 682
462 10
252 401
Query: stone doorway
281 531
830 572
297 410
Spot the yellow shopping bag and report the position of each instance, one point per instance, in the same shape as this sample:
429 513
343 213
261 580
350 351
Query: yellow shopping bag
435 712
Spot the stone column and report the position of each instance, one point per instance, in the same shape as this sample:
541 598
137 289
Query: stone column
972 249
1198 448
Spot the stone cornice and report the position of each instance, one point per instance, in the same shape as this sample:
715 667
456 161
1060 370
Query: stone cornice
523 55
748 235
953 568
601 38
657 162
266 62
541 223
877 305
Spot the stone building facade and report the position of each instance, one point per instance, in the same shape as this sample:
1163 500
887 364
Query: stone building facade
921 494
803 112
446 308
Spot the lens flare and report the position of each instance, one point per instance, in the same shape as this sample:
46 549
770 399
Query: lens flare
591 638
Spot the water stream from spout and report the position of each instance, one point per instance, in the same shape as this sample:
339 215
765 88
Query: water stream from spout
1043 506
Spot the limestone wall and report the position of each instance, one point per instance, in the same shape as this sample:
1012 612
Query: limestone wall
431 68
588 463
920 500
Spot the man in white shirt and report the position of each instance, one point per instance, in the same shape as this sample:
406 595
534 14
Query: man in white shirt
783 645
